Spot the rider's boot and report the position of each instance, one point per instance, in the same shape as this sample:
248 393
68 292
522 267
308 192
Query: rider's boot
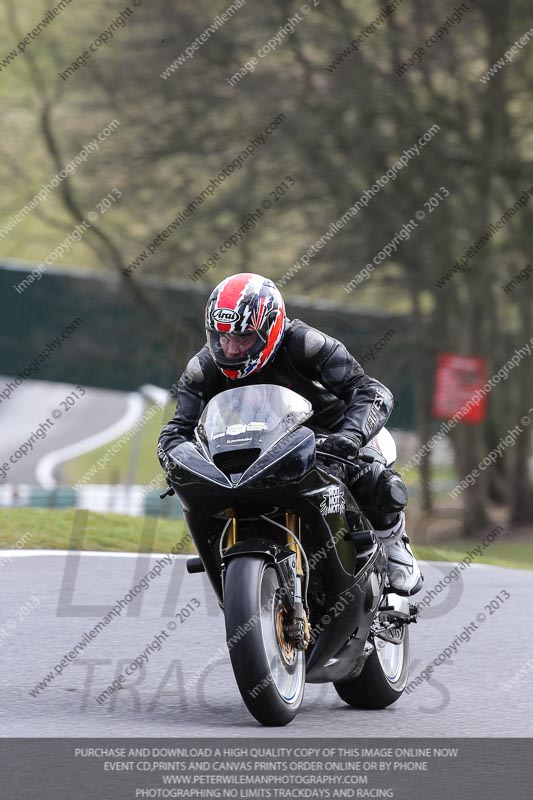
403 571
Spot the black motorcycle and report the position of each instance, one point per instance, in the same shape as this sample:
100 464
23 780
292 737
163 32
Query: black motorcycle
298 571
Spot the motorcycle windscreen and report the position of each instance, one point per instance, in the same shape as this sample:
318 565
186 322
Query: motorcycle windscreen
252 417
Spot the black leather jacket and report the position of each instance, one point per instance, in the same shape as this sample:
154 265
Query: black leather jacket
309 362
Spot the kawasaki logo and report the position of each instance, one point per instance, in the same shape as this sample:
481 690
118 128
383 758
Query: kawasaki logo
224 315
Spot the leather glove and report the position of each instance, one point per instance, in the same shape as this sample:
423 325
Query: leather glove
342 444
339 471
165 463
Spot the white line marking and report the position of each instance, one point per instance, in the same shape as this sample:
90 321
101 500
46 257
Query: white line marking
47 465
110 554
475 566
99 553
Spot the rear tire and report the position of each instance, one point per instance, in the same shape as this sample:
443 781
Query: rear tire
270 673
384 676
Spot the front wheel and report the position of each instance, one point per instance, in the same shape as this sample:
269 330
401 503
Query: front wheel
385 674
269 671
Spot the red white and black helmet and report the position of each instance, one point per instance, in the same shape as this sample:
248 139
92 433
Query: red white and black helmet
239 306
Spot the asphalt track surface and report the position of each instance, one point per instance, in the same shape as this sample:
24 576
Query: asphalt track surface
33 402
187 687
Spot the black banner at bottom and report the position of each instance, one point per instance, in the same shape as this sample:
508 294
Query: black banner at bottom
127 769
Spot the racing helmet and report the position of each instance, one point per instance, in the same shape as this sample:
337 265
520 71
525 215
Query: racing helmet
245 323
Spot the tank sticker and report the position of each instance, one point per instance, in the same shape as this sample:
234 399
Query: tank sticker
333 501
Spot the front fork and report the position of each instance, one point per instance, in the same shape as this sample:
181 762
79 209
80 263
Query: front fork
296 628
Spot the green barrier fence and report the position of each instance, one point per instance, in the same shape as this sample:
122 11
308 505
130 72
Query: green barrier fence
103 338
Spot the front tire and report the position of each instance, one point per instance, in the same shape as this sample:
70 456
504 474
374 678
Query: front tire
269 671
385 674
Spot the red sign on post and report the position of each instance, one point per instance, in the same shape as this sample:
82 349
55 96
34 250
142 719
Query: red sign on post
457 380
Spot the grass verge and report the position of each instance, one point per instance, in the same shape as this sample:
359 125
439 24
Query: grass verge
509 553
44 529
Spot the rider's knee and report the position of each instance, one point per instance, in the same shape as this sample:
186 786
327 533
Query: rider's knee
381 488
391 492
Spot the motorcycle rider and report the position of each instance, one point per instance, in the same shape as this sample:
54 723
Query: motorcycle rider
251 341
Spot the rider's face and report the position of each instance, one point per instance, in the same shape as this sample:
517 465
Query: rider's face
236 345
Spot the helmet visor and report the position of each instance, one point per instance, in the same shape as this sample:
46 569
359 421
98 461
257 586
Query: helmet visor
233 350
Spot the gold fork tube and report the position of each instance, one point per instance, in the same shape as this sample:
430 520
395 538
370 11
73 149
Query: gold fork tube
292 522
232 533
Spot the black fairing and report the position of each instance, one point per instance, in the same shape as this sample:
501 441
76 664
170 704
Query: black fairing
287 478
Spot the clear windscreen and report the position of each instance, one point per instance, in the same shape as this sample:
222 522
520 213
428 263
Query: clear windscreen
274 410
